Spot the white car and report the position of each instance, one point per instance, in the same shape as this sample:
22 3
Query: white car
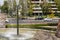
6 20
47 19
56 19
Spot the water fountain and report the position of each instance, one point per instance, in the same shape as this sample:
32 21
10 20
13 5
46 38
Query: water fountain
11 35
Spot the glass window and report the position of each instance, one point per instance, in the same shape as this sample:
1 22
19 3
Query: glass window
41 0
51 0
36 10
35 0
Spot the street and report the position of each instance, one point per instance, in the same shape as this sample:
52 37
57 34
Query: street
14 21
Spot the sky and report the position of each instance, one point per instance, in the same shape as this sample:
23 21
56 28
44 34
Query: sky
1 2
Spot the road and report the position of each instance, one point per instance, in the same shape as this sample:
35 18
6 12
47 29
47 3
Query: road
14 21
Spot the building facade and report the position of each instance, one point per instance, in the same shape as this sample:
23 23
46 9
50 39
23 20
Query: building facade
37 10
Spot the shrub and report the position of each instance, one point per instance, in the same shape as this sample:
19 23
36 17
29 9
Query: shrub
52 24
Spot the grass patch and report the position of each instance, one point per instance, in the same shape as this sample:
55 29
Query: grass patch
26 26
30 25
34 26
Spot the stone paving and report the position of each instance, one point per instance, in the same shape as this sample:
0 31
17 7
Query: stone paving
38 33
44 35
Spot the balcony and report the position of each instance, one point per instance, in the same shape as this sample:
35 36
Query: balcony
53 5
53 8
58 11
37 11
41 11
37 8
51 2
36 2
42 1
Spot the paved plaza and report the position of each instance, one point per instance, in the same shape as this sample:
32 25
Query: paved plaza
38 34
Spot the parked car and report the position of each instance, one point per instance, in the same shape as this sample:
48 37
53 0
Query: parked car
39 18
47 19
23 18
7 21
31 18
56 19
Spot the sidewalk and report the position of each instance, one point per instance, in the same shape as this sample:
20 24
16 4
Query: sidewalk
38 33
50 26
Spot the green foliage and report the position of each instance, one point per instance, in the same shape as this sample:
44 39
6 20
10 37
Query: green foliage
14 5
23 11
45 7
32 25
30 10
4 8
58 4
58 15
35 26
52 15
0 7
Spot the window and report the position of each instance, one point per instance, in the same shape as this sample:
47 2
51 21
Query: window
35 0
53 6
36 10
41 0
51 0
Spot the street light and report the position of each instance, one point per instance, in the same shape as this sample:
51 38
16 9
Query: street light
17 2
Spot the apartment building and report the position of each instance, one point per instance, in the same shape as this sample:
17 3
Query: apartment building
37 10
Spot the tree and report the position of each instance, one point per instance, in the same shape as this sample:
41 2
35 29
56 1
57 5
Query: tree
58 27
4 8
58 4
21 4
52 15
0 7
14 5
30 9
24 4
45 7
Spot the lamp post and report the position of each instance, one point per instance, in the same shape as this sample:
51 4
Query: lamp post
17 22
17 1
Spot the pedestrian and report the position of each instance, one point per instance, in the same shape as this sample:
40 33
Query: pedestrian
57 34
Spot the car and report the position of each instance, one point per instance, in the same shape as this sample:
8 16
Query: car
7 21
23 18
56 19
31 18
39 18
47 19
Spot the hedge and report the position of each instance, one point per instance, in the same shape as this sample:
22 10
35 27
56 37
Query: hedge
34 26
31 25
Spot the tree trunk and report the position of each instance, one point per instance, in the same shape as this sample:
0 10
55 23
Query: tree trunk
58 30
